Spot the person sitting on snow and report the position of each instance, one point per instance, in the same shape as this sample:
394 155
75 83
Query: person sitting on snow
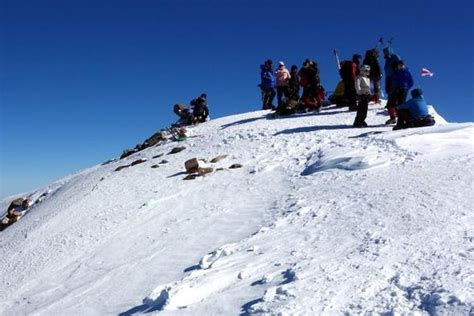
185 115
15 211
200 108
313 92
414 112
337 97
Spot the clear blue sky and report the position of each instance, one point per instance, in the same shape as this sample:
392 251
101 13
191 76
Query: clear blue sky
82 80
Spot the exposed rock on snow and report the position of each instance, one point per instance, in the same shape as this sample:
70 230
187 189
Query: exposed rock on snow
176 150
218 158
138 161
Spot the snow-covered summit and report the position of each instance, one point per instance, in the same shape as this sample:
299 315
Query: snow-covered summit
322 218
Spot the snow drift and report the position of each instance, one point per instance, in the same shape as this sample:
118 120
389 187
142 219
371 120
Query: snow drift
321 219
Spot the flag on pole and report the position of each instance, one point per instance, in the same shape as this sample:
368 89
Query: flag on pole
425 72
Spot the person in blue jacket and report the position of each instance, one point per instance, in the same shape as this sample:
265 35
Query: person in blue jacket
391 61
414 112
402 81
267 85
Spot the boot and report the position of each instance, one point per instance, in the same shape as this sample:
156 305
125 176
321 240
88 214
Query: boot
391 121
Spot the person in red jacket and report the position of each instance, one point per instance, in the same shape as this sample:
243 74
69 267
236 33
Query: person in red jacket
313 92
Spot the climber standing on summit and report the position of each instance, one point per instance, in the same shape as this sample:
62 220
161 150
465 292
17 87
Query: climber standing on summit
282 79
371 59
362 87
401 82
267 85
391 60
294 84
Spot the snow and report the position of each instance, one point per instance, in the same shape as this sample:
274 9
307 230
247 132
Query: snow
322 219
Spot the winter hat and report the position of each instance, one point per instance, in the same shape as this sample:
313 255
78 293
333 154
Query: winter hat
374 53
307 62
356 58
281 63
294 67
269 62
416 93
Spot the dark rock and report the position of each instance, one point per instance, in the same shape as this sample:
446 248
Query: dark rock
158 156
191 165
218 158
220 169
235 166
191 176
122 167
139 161
203 171
176 150
155 166
155 138
128 152
108 161
164 161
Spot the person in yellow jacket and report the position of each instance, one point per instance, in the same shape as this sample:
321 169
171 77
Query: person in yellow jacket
337 97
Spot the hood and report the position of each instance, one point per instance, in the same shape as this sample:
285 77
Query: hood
417 93
387 51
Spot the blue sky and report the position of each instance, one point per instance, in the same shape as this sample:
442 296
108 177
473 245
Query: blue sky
82 80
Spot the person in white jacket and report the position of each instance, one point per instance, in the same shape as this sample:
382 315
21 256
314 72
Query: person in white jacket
282 80
362 86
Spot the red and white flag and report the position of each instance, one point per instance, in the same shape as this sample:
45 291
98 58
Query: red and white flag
425 72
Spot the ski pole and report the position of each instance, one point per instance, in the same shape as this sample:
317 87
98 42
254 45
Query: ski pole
379 43
337 59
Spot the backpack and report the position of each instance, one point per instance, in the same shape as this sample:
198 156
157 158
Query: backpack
346 70
303 77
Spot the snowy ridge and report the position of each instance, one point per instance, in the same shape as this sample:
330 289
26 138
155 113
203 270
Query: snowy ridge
322 219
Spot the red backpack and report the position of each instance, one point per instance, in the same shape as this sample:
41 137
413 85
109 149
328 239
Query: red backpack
347 70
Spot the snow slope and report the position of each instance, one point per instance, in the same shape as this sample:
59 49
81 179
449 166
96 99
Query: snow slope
322 219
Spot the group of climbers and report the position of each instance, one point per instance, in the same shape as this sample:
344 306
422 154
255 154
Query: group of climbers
287 85
360 84
198 112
